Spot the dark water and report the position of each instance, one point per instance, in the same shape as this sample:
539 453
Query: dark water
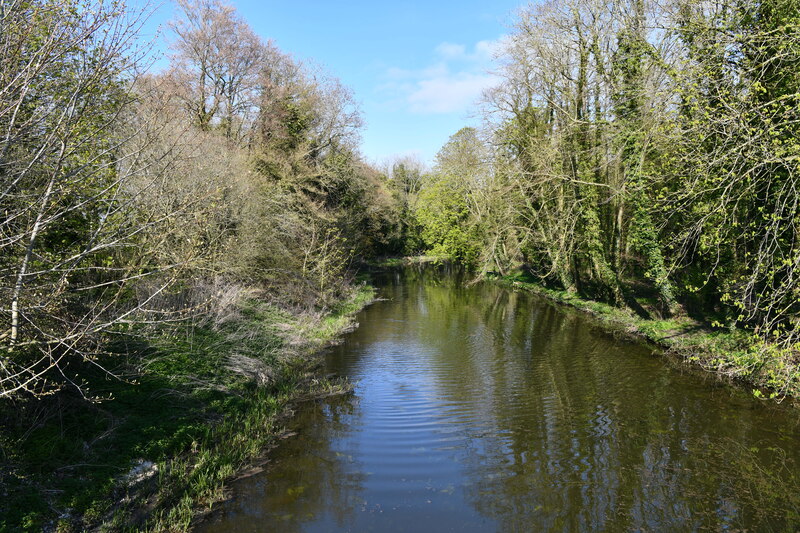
480 409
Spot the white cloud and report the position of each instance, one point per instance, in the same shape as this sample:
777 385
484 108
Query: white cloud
451 51
452 93
482 52
488 49
452 83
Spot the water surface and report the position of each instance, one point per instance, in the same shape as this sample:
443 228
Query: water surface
480 409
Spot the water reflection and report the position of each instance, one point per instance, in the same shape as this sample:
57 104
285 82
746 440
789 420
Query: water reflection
479 409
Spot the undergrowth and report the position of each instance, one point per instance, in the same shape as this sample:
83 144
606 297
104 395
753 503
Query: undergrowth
190 407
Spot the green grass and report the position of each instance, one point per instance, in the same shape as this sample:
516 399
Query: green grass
187 404
769 370
334 323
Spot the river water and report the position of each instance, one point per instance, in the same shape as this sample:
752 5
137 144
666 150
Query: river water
481 409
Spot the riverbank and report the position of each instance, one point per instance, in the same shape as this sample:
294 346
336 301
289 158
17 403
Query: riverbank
733 355
193 407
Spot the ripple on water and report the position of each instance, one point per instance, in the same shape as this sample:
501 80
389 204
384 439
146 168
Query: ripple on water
478 409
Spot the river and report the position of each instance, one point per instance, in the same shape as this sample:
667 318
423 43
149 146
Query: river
477 408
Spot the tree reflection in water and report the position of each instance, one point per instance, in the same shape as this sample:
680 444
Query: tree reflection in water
482 409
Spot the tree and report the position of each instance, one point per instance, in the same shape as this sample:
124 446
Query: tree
636 114
444 208
70 238
218 59
407 176
578 121
733 204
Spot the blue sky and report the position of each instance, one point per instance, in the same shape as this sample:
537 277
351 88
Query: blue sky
416 68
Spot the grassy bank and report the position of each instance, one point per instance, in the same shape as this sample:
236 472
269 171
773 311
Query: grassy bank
194 406
732 354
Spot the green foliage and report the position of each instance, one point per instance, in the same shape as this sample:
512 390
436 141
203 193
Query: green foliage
448 224
443 216
734 203
69 223
624 158
133 203
405 184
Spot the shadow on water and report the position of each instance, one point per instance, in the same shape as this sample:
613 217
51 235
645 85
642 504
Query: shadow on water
481 409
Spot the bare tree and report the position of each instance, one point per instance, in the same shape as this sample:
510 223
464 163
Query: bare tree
218 59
